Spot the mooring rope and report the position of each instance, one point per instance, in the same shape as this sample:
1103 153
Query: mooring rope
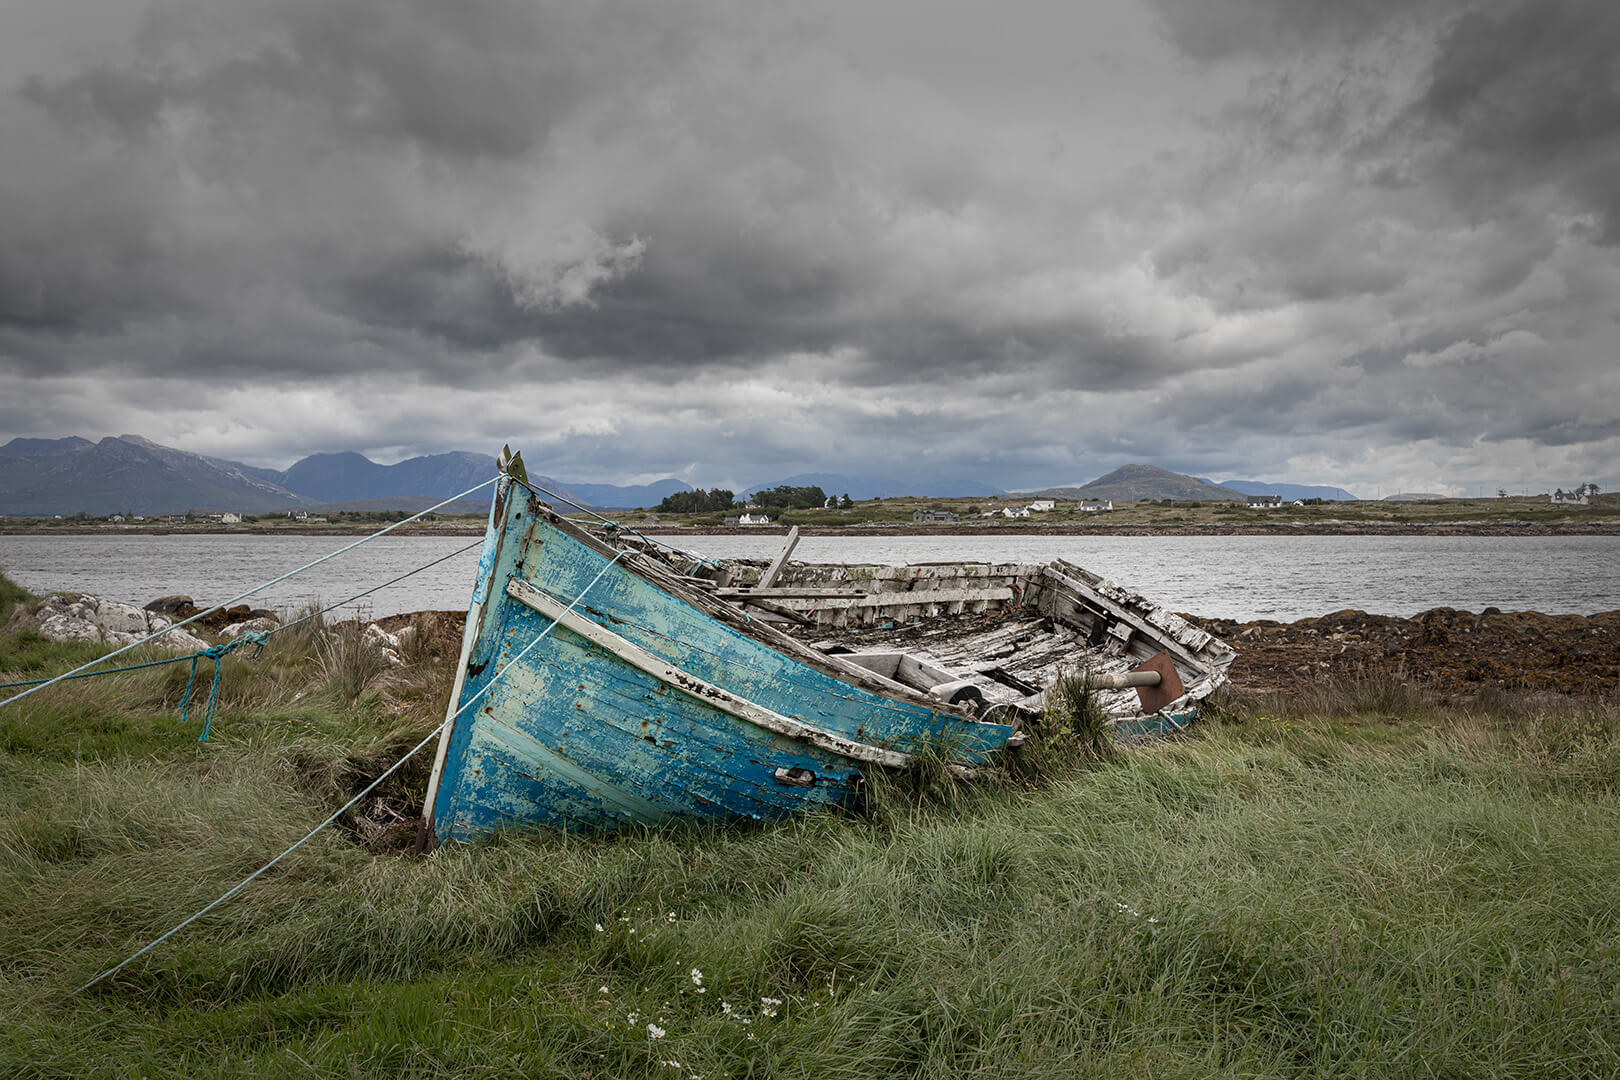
240 885
248 593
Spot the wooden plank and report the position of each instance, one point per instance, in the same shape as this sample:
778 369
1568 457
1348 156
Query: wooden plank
768 578
924 597
789 593
1136 621
709 694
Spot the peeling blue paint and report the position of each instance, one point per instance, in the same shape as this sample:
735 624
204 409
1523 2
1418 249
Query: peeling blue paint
571 736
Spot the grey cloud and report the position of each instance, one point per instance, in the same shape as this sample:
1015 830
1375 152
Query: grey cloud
1523 95
1219 29
408 224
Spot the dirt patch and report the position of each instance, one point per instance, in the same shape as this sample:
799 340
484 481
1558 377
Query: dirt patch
1452 651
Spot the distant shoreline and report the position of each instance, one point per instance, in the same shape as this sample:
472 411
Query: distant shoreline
1599 528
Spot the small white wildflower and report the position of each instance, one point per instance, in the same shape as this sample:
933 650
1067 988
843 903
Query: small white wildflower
632 1018
671 1063
632 929
750 1036
703 990
697 977
725 1007
670 916
654 1031
1153 918
598 928
603 990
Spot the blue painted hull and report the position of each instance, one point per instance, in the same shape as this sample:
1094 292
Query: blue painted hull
571 734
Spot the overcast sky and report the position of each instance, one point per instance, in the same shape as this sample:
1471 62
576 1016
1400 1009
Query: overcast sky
1370 243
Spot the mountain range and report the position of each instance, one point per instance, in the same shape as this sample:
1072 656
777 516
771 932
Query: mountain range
131 474
134 475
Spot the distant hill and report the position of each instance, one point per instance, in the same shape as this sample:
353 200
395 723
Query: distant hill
131 474
1290 491
613 497
875 487
35 447
1133 483
128 474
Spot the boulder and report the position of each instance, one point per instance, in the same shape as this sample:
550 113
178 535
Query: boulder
175 607
390 644
65 617
258 625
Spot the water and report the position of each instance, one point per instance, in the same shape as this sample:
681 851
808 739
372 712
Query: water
1236 577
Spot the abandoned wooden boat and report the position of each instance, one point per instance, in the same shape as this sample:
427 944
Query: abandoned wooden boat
605 682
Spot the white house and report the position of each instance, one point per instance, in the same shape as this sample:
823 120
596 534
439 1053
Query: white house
1264 502
750 518
1015 511
230 518
1569 498
1092 507
1042 505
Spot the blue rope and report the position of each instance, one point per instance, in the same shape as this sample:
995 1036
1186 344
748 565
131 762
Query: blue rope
91 674
250 592
240 885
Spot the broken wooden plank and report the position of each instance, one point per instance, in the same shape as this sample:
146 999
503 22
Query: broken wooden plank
1114 609
790 593
768 578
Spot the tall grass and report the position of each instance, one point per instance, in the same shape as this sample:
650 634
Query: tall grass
12 594
1279 894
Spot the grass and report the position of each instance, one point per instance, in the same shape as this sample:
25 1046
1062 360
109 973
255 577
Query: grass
1362 882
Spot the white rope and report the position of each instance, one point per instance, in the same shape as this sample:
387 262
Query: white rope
250 592
240 885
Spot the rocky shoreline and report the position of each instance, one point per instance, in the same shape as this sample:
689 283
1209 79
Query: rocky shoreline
1445 650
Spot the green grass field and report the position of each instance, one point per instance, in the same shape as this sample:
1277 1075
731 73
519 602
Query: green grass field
1321 891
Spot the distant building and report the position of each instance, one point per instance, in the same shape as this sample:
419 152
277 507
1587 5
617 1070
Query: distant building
1042 505
1093 507
230 518
298 515
116 518
922 516
1265 502
1569 498
754 519
1015 511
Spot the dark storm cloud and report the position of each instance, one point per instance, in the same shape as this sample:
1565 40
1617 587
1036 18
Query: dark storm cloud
1219 29
1524 95
620 186
646 239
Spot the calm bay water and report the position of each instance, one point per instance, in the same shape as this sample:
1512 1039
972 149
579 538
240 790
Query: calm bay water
1237 577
